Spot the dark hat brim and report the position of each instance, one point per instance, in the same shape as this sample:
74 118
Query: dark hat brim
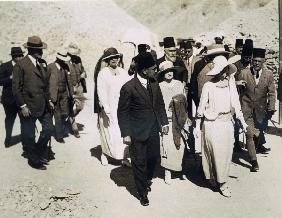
174 69
44 46
111 56
17 54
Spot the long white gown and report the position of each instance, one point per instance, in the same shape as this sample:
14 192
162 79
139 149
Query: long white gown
171 158
217 105
108 89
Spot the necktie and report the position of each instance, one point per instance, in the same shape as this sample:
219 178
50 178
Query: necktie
257 74
149 88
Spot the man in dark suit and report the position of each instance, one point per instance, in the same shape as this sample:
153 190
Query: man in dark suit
243 63
7 98
141 116
171 55
31 90
258 104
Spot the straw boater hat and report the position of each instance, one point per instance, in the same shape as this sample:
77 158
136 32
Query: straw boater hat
220 62
62 55
73 49
110 53
35 42
16 51
215 49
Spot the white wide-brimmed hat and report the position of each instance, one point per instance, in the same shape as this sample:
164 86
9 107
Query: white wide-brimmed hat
62 55
73 49
215 49
220 62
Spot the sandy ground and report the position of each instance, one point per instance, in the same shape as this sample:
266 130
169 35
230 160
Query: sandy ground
75 184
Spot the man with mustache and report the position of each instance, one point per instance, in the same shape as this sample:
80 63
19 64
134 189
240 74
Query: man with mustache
171 55
258 104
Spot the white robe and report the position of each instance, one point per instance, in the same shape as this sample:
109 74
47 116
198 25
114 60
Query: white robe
108 89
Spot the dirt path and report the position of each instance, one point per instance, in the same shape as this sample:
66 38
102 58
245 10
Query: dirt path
77 185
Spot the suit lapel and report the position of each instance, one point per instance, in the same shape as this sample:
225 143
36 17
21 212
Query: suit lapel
141 90
34 68
252 79
262 78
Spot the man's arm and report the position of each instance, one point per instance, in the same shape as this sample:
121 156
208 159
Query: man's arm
271 97
17 85
123 111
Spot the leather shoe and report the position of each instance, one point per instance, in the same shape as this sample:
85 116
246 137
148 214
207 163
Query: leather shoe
76 134
255 166
7 142
36 165
263 150
144 200
60 140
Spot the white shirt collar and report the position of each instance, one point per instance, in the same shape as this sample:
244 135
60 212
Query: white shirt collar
191 58
13 63
142 80
33 60
58 66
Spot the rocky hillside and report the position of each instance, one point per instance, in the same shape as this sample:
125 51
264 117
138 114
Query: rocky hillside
96 25
93 25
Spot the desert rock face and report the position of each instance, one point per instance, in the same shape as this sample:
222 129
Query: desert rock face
97 25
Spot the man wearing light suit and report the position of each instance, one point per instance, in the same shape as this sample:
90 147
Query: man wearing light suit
258 104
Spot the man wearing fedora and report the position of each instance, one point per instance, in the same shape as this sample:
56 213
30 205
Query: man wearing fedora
258 104
171 55
7 98
31 90
61 93
78 76
141 116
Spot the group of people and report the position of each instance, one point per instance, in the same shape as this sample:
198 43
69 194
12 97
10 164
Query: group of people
150 112
155 110
35 90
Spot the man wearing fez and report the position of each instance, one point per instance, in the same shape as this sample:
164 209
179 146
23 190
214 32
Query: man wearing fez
241 64
258 104
239 46
171 55
31 90
7 98
141 116
61 93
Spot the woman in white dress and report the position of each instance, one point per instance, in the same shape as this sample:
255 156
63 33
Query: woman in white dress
219 101
109 82
171 156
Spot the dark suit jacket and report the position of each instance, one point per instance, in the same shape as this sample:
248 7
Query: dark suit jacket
30 86
6 70
180 75
199 65
54 81
261 97
137 114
